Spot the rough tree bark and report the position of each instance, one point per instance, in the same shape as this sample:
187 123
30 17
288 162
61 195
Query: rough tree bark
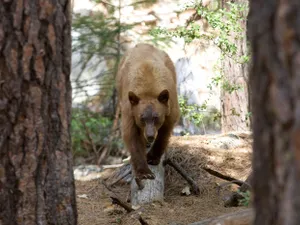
235 105
274 34
36 178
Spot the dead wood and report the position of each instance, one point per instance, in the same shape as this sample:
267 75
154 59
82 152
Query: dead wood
117 201
124 205
222 176
114 166
126 173
244 217
235 197
191 182
147 191
121 173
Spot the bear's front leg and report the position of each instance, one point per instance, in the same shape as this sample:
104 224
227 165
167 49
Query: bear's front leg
136 145
160 145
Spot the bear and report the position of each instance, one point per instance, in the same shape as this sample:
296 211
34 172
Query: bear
146 87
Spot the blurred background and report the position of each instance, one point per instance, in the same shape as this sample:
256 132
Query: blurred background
210 57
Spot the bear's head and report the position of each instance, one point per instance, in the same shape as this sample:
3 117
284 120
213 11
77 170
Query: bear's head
149 114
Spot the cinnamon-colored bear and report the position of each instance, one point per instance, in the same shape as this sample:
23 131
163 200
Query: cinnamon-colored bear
147 92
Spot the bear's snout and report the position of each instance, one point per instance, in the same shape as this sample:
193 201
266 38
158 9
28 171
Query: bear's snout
150 139
150 134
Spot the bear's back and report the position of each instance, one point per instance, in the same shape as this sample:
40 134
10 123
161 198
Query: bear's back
146 71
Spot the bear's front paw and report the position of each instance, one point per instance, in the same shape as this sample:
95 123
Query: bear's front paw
145 173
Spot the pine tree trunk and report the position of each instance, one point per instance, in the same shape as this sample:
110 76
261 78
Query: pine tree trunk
36 178
275 84
235 105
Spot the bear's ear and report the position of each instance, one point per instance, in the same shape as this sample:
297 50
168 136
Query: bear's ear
163 96
134 100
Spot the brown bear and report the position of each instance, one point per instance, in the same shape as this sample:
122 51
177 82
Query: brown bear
147 92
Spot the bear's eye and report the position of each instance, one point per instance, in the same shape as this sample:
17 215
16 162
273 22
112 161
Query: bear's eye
142 119
155 119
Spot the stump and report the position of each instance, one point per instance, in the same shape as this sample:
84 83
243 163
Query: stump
153 190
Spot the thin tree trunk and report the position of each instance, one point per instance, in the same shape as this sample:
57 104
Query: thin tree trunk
275 84
36 178
235 105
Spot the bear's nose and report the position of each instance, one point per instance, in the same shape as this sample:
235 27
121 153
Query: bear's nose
150 139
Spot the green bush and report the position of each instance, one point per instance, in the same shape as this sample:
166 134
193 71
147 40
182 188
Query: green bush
200 115
245 201
86 125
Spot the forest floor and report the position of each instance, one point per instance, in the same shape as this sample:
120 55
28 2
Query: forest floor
228 154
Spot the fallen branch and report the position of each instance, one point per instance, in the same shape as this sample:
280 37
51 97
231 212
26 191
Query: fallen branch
178 168
120 174
125 205
243 217
120 178
224 177
117 201
112 166
235 197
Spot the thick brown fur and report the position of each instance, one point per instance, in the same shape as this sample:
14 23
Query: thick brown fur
147 92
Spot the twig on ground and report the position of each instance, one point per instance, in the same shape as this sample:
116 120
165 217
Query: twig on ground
125 205
178 168
222 176
112 166
117 200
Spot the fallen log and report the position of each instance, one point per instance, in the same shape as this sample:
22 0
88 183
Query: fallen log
243 217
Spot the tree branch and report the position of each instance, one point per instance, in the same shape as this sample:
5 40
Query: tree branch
192 183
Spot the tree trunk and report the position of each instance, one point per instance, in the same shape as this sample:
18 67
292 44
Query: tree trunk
275 83
36 178
235 104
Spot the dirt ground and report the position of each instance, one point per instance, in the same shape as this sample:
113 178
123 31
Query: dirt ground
229 155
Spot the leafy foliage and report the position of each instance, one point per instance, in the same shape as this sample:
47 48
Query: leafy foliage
97 35
199 114
245 201
86 123
225 23
225 30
